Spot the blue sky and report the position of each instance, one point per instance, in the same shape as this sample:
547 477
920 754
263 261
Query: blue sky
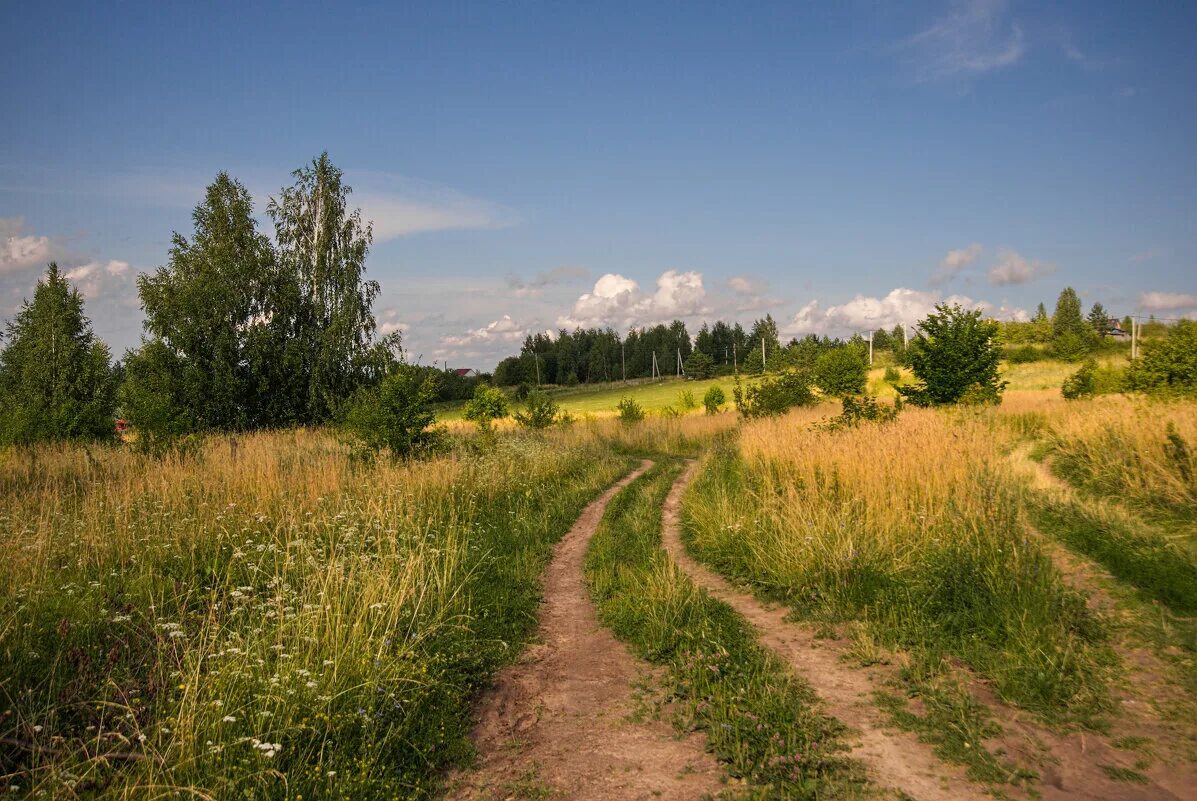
529 166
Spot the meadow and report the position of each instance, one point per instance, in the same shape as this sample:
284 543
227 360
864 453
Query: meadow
270 616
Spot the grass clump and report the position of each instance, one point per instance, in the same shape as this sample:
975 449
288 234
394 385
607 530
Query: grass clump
760 720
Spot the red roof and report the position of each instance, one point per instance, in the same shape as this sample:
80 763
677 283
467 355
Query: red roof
463 371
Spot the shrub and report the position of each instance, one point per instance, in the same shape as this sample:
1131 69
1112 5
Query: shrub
1168 364
396 414
774 394
487 405
521 391
956 353
1080 384
892 375
1073 345
713 400
686 400
629 411
540 411
1025 355
857 410
841 371
670 413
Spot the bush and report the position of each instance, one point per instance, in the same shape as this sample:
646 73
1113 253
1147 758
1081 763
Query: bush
540 411
522 389
1168 364
487 405
1025 355
713 400
841 371
686 400
396 414
670 413
774 395
857 410
629 411
955 354
1080 384
1073 345
892 375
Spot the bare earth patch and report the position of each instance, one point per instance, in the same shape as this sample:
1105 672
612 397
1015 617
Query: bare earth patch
558 723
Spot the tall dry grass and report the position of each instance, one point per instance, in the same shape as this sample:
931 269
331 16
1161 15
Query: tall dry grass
267 619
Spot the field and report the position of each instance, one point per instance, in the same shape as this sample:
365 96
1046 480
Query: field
959 603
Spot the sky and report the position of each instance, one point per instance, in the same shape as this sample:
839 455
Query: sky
532 166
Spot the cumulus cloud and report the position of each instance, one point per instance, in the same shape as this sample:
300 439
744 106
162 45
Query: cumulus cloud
747 285
534 287
504 329
96 278
974 38
955 261
1015 269
19 251
901 306
619 301
1167 301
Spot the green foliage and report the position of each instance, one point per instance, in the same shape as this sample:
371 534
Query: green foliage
151 398
713 400
1098 319
775 394
892 375
955 353
862 409
630 411
487 405
540 411
1081 383
686 400
322 248
699 365
1025 354
1168 365
396 414
56 382
841 371
1072 336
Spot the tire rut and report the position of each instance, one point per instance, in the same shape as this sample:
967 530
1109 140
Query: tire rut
556 724
894 759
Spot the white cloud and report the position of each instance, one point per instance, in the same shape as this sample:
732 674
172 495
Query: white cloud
504 329
95 279
972 39
1167 301
19 251
616 300
955 261
747 285
1015 269
902 306
396 216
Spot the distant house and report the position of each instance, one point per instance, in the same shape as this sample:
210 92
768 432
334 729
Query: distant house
1114 329
466 372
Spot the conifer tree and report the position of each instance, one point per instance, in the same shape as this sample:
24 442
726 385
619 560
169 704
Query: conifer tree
56 379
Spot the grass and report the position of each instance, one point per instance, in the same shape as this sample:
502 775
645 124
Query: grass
760 720
271 623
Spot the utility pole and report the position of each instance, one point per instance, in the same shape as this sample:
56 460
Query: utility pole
679 362
870 349
536 358
762 352
903 335
735 364
1134 336
623 363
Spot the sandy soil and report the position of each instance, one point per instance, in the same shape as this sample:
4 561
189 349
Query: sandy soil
559 723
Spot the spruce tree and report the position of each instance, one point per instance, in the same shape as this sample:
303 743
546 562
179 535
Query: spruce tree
1072 336
56 379
1099 319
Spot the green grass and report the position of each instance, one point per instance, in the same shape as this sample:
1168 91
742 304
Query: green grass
601 399
760 719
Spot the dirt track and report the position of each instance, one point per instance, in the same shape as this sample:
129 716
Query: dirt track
556 725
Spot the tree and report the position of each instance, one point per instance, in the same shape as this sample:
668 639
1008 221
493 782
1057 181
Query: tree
954 352
1072 337
1080 384
322 248
629 411
713 400
841 371
1168 364
699 365
540 411
56 380
1099 319
1041 314
487 405
216 308
775 394
396 414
